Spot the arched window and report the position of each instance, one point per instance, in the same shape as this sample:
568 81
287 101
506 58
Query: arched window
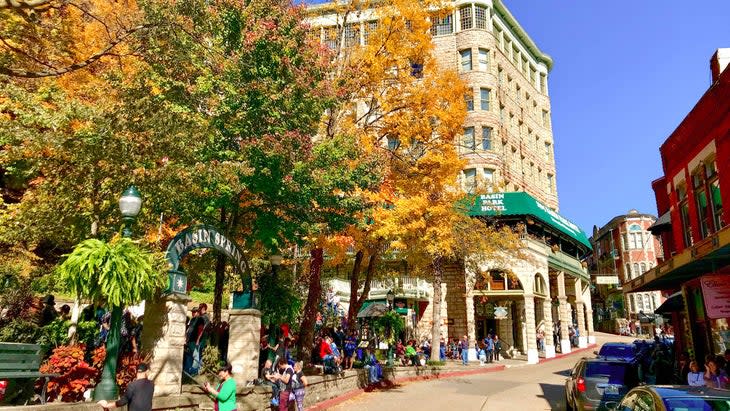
636 237
639 303
628 271
637 271
643 268
539 286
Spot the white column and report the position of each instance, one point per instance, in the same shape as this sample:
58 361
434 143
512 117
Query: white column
530 333
548 313
580 314
563 314
591 333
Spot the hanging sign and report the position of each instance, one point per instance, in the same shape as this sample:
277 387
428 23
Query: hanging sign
716 293
500 313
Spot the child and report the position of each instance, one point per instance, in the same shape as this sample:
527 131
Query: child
482 356
299 382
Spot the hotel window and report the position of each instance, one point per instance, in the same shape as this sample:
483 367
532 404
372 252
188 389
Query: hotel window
468 139
352 34
684 214
484 98
330 37
483 59
370 28
639 302
469 99
465 18
486 138
470 179
545 118
707 198
393 143
500 75
543 83
636 239
441 26
489 175
548 151
628 272
643 268
551 183
636 270
465 57
647 303
480 16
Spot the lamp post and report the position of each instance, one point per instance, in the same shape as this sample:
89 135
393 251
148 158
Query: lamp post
129 205
390 297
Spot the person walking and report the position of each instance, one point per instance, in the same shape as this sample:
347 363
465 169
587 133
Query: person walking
465 350
497 347
138 396
224 394
489 348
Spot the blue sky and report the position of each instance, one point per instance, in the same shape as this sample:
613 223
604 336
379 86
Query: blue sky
626 73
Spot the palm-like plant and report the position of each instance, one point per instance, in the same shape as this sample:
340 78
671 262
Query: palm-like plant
119 272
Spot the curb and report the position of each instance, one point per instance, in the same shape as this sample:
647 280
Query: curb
326 404
576 351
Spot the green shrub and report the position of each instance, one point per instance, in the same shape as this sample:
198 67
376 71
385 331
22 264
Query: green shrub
21 331
211 360
54 333
435 363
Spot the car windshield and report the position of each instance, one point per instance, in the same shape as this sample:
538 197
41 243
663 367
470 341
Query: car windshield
621 351
614 372
697 404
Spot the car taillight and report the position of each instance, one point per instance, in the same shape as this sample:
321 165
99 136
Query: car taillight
580 384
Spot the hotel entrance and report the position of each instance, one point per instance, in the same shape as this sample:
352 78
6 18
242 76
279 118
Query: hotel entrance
485 326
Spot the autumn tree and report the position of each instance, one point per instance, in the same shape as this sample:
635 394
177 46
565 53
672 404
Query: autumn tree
397 101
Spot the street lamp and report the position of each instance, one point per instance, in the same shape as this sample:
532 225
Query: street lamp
390 297
129 205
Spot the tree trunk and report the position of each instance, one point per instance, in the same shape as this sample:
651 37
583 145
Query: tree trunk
220 275
354 285
438 275
309 317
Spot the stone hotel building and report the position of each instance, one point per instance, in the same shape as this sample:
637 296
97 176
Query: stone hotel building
507 139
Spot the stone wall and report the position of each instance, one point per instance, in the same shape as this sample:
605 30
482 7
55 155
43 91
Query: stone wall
321 388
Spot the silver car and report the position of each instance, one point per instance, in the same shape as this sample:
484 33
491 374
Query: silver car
599 384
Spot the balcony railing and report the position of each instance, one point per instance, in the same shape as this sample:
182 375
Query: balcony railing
403 287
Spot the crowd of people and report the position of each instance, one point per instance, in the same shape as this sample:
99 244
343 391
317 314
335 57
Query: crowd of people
201 332
716 372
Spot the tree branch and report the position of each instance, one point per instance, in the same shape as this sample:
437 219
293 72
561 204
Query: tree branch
76 66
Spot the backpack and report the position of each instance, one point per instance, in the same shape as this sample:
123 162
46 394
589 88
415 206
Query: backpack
296 381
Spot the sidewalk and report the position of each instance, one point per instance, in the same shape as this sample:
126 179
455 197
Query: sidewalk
452 369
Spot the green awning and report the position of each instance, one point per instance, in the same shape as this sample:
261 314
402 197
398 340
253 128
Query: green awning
520 203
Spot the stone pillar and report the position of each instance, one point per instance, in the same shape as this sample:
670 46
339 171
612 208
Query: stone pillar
530 332
580 317
163 336
548 313
470 325
243 345
591 333
521 338
563 314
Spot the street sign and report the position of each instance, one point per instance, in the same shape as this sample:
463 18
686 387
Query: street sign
607 279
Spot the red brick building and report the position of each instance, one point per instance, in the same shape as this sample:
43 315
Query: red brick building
693 224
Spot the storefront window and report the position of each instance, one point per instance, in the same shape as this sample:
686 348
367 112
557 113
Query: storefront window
684 215
716 205
708 198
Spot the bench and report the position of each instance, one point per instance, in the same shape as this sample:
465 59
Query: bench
22 361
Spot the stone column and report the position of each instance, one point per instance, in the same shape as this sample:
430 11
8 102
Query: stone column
563 314
243 345
470 325
580 317
530 332
591 333
548 312
163 336
521 338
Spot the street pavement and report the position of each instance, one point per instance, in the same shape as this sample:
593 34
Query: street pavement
520 387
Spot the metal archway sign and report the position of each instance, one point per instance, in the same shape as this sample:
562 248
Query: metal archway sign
204 236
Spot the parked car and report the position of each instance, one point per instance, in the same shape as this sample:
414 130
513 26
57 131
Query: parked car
599 384
617 351
675 397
